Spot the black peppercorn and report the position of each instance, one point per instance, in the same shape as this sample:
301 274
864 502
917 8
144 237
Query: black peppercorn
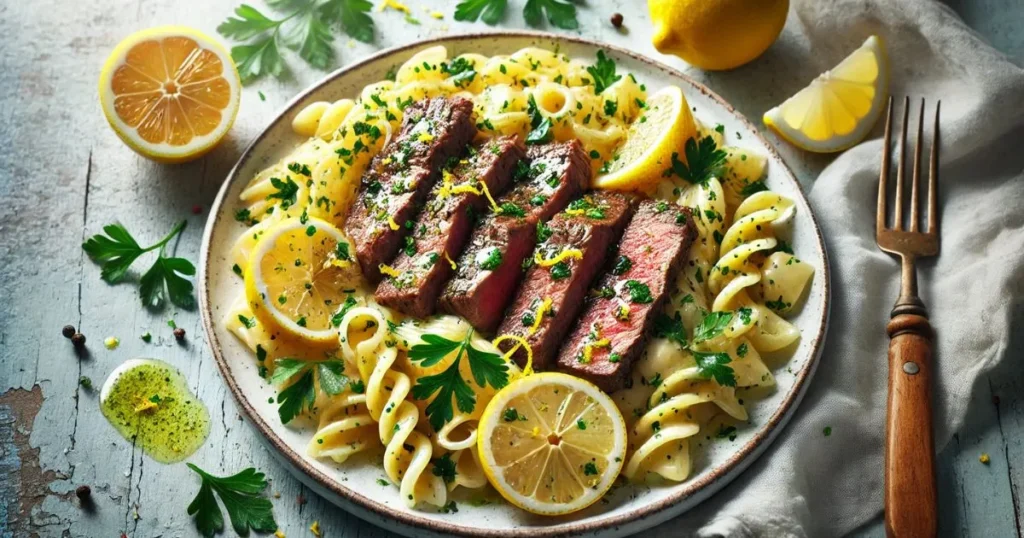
78 339
68 331
83 492
179 334
617 20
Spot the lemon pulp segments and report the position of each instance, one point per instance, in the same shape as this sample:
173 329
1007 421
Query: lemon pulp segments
661 130
839 107
552 443
296 279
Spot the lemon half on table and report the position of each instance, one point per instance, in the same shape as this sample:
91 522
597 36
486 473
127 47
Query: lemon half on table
838 109
297 276
551 443
170 93
662 129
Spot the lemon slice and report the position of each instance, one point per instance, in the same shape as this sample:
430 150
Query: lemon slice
551 443
840 106
661 130
171 93
297 276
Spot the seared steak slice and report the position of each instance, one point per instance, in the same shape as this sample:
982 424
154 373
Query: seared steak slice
618 316
491 266
552 294
442 228
400 176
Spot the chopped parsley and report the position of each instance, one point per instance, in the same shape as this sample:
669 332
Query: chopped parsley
711 326
511 209
670 328
714 366
622 264
492 261
560 271
639 292
603 73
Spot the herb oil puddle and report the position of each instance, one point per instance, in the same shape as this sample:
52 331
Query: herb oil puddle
149 401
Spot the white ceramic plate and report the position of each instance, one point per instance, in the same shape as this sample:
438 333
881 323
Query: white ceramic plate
353 485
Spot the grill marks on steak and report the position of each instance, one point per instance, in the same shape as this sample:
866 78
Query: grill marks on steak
400 176
592 225
618 316
443 227
491 266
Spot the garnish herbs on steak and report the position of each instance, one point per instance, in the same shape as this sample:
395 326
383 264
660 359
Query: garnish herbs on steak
571 249
490 268
618 315
400 176
443 228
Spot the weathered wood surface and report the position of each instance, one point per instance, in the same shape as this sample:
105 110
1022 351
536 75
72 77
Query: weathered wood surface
64 174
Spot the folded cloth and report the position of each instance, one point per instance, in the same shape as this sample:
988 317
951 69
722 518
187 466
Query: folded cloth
807 484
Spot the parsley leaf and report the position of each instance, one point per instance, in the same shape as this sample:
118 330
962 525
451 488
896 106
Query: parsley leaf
559 14
703 161
352 15
117 250
305 27
286 191
540 126
489 11
639 292
713 365
711 326
240 495
751 188
487 368
603 72
301 394
670 328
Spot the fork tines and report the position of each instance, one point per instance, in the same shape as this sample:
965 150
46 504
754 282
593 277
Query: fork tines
933 176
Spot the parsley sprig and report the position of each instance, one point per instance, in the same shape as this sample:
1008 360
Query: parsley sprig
117 251
240 494
486 368
301 394
703 161
540 126
603 72
558 13
305 28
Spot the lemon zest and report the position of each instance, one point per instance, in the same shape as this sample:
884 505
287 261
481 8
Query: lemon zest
574 212
340 263
393 4
588 350
538 318
279 534
520 342
315 529
446 184
425 137
622 312
146 405
567 253
386 161
487 193
390 271
392 224
450 261
464 188
536 431
437 15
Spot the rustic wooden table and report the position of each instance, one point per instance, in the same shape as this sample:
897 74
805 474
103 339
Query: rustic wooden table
64 174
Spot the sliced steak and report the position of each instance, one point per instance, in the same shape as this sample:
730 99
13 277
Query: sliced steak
618 315
400 176
443 227
490 268
551 295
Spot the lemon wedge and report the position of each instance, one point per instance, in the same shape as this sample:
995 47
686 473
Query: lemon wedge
170 93
551 443
662 129
297 276
840 106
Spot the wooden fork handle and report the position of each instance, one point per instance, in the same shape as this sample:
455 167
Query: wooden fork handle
910 505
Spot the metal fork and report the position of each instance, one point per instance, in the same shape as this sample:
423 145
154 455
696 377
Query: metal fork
909 451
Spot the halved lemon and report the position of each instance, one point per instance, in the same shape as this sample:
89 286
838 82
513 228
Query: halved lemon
297 278
838 108
662 129
171 93
551 443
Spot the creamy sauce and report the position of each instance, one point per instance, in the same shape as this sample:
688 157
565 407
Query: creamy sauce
148 402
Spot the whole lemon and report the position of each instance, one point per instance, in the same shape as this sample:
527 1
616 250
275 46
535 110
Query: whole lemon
716 34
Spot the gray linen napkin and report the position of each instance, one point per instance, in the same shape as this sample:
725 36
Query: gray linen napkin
810 485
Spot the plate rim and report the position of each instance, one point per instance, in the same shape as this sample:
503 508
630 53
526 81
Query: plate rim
647 516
